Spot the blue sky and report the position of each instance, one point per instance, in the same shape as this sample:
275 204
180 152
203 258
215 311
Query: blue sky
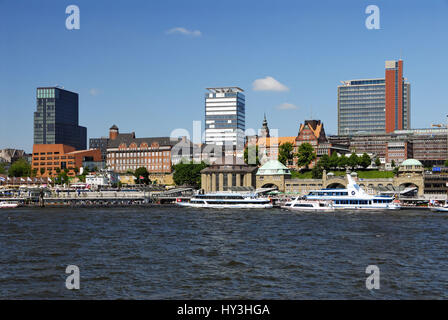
131 71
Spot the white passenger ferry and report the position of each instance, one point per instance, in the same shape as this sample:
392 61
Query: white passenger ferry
226 200
8 205
354 197
298 204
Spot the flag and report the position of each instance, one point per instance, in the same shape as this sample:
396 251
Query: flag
141 177
21 179
29 179
49 180
2 179
9 179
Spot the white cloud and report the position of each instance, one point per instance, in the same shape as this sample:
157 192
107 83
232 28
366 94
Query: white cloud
287 106
94 91
180 30
269 84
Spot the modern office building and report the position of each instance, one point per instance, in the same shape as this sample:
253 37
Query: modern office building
428 145
101 144
375 105
225 116
56 119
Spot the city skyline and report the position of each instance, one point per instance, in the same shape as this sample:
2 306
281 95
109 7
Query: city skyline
146 70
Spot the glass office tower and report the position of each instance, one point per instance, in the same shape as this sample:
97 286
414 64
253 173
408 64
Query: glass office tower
225 120
375 105
56 118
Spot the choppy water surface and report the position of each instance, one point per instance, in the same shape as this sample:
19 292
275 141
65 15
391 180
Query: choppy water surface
177 253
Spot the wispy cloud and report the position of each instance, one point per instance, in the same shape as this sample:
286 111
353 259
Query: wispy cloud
269 84
184 31
287 106
94 91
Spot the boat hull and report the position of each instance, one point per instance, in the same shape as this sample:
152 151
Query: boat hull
439 209
225 206
8 205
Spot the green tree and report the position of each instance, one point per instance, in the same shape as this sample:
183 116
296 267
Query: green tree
392 163
285 153
334 161
42 171
343 161
61 178
395 171
34 172
324 162
188 174
2 168
20 168
251 153
316 172
365 160
142 172
305 155
377 162
446 163
353 161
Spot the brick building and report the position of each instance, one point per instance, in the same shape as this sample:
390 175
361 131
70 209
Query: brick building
48 159
126 152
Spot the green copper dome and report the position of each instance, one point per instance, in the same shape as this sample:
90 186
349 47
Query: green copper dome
273 167
411 162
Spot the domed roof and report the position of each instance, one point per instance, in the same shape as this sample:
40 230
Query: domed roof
273 167
411 162
114 127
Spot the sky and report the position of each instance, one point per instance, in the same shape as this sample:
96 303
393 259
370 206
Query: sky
144 65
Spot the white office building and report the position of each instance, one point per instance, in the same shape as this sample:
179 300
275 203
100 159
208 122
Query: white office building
225 116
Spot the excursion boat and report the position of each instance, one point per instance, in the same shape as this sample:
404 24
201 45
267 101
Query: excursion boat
354 197
226 200
435 206
8 205
298 204
440 209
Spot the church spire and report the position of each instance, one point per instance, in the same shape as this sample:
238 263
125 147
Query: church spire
265 128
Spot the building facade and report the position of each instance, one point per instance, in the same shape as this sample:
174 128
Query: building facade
100 144
225 119
11 155
430 145
49 159
375 105
126 152
228 176
56 120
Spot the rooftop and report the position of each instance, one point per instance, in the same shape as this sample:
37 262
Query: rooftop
411 162
225 89
273 167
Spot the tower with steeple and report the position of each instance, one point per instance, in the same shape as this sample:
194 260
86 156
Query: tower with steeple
265 128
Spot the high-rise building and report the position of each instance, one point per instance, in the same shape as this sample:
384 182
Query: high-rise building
56 118
225 120
375 105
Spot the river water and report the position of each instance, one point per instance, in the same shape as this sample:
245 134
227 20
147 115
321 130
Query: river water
177 253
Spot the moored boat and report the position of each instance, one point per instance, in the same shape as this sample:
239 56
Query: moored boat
227 200
8 205
354 197
298 204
